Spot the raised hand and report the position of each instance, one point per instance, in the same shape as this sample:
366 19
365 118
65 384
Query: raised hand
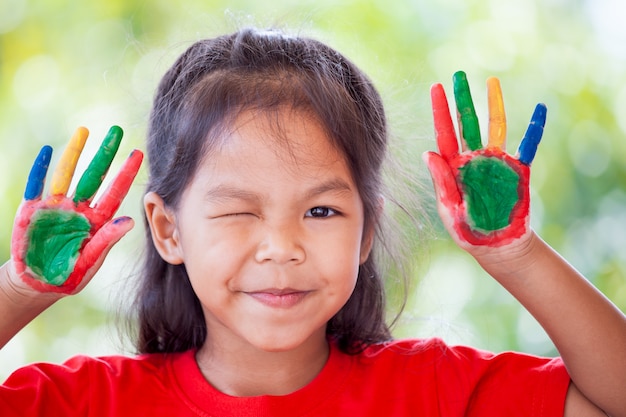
482 192
59 242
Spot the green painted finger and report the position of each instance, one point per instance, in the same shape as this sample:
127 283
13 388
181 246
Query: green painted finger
468 121
94 175
55 238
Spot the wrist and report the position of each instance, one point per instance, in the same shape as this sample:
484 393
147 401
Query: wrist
19 304
512 260
17 294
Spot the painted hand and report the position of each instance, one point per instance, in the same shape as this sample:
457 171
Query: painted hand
482 193
58 243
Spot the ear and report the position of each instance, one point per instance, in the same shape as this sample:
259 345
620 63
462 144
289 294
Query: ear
366 244
368 234
163 228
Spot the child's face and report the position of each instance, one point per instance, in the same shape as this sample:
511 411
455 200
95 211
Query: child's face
271 235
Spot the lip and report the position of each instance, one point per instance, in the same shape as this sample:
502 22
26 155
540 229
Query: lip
279 298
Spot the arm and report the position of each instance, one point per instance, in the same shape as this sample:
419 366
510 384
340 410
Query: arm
483 200
58 243
18 306
586 328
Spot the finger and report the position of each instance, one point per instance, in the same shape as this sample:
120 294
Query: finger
444 182
444 128
64 172
37 176
95 251
528 147
468 121
94 175
497 117
110 201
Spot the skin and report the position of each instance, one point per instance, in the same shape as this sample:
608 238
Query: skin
264 217
586 328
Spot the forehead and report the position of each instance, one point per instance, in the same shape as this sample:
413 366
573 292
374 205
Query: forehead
290 139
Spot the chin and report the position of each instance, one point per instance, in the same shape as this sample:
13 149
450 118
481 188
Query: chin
278 343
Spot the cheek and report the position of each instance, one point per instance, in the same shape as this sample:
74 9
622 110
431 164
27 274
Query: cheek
338 258
208 252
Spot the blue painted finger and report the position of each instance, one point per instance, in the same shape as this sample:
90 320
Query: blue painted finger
37 176
528 147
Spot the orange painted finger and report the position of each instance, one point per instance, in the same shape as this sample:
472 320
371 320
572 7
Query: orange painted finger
444 128
497 117
64 172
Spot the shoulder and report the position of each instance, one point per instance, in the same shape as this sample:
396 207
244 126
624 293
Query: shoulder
405 361
405 346
114 364
83 383
456 358
466 378
80 367
405 350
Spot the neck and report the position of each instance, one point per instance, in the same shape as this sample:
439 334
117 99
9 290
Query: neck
245 371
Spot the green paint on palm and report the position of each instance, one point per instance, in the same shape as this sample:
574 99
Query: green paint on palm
55 238
465 107
490 187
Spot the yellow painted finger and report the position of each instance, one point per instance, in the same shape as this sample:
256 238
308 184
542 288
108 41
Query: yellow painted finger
497 118
64 171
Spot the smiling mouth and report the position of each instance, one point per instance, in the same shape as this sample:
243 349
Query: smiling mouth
279 298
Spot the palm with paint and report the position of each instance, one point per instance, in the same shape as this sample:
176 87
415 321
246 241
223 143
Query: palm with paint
482 193
59 242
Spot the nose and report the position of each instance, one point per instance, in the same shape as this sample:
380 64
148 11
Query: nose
281 245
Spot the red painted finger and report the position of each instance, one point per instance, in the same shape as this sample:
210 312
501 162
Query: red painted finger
19 240
444 182
110 201
444 128
93 254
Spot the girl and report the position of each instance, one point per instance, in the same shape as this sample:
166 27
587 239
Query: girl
260 293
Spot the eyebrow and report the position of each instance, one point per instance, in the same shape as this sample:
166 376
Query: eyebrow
224 192
227 192
335 186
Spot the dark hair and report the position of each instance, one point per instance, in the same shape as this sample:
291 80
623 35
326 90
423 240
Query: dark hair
209 85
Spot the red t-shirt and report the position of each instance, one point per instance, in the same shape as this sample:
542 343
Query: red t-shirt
403 378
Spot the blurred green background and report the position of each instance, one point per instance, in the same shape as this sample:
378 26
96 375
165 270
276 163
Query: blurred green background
65 63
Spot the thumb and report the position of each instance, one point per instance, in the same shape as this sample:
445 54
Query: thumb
95 251
446 190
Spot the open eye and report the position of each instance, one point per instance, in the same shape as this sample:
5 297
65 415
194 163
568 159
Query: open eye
320 212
